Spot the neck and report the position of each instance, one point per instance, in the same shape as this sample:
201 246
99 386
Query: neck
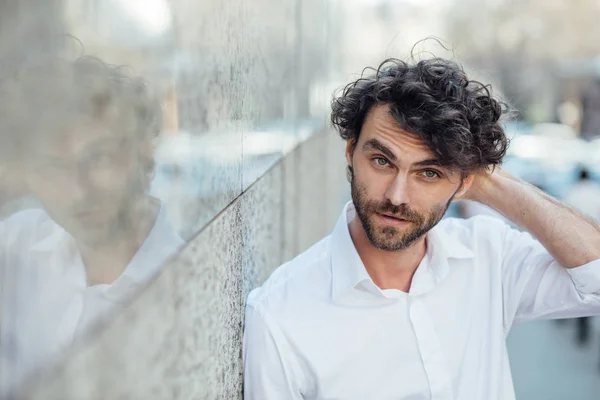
105 262
387 269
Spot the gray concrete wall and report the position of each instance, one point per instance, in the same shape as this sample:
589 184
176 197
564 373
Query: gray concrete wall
256 178
182 337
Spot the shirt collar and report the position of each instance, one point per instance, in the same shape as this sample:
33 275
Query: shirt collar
53 236
162 242
348 269
446 245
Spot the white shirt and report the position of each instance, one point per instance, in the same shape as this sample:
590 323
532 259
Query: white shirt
319 328
46 303
585 196
17 204
473 209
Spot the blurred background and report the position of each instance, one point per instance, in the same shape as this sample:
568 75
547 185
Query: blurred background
246 169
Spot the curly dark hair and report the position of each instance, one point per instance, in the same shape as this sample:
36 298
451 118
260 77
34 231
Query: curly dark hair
62 90
44 98
457 118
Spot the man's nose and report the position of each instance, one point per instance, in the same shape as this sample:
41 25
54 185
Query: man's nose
398 190
80 185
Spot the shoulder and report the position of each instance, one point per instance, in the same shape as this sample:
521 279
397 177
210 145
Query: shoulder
479 224
488 235
294 283
28 216
28 225
475 232
163 235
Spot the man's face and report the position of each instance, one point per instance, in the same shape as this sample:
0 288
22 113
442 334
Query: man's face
88 178
398 187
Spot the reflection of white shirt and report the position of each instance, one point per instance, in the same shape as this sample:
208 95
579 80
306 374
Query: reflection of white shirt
319 328
15 205
585 197
46 301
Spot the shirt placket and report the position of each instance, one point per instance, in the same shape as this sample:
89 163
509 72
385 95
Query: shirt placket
73 285
431 351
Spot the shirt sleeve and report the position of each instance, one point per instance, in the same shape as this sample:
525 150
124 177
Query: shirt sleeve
269 372
535 286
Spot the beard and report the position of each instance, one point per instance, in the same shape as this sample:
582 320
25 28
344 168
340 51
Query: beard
115 215
389 238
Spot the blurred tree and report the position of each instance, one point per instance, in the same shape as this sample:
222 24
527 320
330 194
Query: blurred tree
520 42
29 31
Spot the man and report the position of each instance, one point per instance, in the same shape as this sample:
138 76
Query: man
395 304
85 131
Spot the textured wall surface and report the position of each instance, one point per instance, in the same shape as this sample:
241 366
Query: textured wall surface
240 82
240 161
181 339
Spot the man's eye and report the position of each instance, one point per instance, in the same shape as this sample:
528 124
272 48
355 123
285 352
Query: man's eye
101 159
431 174
382 162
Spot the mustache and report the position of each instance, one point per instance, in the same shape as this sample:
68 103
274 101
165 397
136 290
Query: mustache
399 211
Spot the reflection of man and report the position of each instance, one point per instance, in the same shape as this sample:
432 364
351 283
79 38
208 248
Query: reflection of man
396 304
86 131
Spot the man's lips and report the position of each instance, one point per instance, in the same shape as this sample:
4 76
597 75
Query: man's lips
392 219
88 215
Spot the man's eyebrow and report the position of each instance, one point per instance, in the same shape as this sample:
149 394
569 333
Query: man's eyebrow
428 163
374 144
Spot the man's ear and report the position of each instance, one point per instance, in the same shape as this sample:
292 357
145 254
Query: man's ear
350 146
464 186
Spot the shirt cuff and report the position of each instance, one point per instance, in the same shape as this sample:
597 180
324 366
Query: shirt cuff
587 277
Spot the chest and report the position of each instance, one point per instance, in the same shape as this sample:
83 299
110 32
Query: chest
430 346
49 306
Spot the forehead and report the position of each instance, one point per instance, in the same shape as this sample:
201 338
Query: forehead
380 124
79 137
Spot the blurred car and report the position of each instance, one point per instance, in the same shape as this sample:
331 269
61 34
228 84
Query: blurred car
548 156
